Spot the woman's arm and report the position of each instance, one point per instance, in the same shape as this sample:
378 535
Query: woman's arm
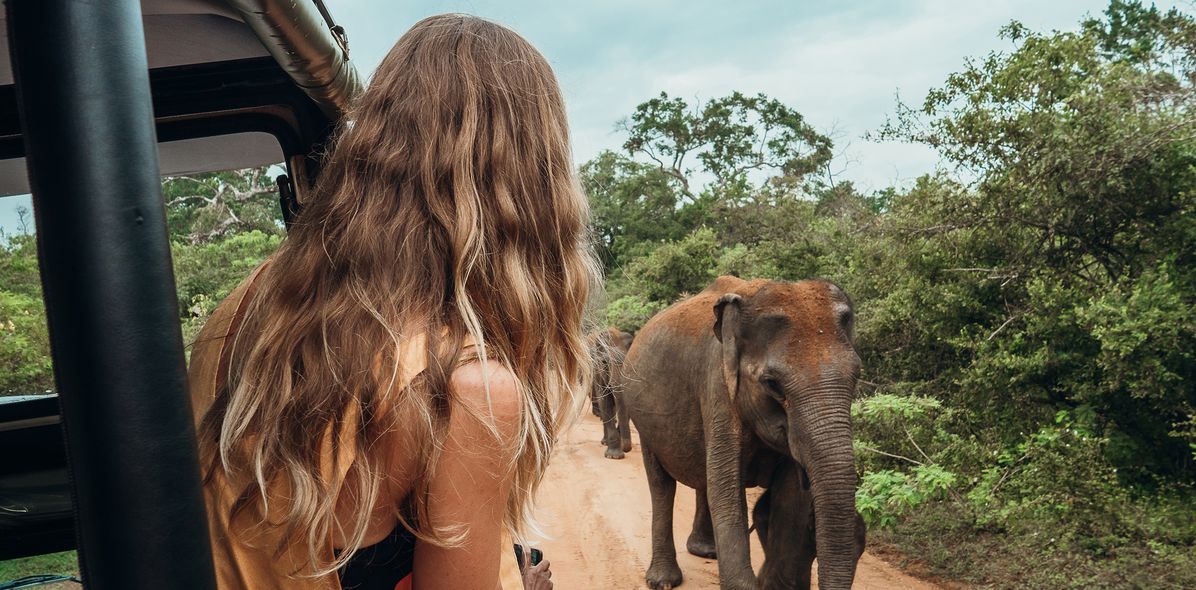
472 481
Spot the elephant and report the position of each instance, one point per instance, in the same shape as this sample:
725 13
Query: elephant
783 518
608 348
726 386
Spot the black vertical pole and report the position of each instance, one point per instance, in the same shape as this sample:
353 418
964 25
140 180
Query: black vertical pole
87 117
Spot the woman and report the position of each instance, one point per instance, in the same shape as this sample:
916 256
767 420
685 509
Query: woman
382 395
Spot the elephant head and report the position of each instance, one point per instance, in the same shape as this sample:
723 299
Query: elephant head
790 369
620 341
607 350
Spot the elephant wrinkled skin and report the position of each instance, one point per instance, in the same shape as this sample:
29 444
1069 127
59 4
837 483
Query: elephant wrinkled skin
729 385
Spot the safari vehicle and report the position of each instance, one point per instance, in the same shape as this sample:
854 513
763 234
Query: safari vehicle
100 101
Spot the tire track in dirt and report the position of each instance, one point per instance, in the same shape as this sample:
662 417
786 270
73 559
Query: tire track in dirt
597 515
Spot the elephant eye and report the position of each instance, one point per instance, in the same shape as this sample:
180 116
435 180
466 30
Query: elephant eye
774 388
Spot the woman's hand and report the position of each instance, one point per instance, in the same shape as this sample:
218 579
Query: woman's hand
535 577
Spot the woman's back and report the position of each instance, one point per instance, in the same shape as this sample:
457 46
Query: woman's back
347 401
246 560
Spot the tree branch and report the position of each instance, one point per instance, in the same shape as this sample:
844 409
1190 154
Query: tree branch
1001 327
184 199
880 452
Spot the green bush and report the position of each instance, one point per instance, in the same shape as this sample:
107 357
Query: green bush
206 273
884 496
1058 477
630 312
25 365
676 268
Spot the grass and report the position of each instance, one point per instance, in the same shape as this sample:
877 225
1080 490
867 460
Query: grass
64 563
939 542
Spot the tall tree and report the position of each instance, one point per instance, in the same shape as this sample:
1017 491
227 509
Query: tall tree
687 167
739 141
631 203
1078 227
204 207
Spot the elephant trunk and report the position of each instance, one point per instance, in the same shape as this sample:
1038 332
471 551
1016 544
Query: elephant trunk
821 438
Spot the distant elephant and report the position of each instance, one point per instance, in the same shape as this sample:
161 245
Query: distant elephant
784 520
608 348
727 385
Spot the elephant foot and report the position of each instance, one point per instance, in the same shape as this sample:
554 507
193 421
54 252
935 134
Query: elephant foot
614 453
663 576
702 547
606 442
627 446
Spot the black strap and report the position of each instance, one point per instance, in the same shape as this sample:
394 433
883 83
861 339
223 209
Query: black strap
382 565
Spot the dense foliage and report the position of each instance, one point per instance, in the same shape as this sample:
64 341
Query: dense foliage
24 341
221 226
1025 314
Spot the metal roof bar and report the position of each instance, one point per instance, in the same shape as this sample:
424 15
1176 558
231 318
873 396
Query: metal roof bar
308 46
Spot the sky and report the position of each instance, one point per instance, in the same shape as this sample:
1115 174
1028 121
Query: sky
842 64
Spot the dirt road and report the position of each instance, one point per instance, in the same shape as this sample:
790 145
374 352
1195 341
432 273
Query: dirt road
598 513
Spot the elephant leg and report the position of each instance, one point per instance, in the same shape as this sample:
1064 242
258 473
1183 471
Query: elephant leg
784 519
610 427
605 412
805 561
861 532
760 516
624 421
728 504
663 572
701 538
792 562
594 402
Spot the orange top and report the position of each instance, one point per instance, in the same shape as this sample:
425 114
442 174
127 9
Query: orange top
242 562
252 564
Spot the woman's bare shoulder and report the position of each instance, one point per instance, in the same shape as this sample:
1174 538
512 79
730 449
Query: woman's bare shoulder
489 390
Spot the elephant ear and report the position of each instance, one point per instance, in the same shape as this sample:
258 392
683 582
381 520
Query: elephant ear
726 330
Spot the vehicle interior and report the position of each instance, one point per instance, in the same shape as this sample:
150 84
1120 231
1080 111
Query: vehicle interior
234 84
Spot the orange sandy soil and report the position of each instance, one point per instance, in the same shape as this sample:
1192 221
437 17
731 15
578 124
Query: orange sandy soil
598 515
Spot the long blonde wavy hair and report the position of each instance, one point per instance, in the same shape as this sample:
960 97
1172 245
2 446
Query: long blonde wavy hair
447 207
